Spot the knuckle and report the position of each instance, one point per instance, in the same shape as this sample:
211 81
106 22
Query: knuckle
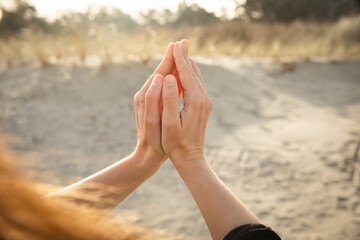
144 141
138 98
171 97
199 101
209 104
149 95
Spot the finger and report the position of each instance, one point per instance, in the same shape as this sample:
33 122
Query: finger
166 66
170 95
185 48
139 100
197 75
137 122
185 73
152 109
197 72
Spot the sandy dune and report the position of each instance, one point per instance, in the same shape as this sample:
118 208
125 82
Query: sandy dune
284 136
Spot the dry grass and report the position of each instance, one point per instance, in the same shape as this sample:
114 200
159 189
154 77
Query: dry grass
298 39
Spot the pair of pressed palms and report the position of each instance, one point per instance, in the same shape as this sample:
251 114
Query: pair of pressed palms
165 132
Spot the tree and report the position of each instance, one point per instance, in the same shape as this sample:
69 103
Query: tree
121 20
194 15
151 18
290 10
191 15
23 15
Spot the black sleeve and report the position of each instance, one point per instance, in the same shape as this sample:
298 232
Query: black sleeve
252 232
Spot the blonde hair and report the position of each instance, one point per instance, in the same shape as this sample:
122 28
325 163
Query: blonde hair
26 214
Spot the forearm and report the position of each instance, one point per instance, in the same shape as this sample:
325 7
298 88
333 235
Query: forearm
221 209
183 135
110 186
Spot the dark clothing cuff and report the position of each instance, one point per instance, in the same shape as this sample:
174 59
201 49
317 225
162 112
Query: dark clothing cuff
252 232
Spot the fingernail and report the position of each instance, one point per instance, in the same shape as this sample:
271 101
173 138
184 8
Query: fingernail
170 81
178 44
186 45
157 79
169 45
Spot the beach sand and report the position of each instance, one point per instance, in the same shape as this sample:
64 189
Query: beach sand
284 135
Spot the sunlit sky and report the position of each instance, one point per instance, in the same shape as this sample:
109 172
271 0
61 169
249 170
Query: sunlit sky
52 8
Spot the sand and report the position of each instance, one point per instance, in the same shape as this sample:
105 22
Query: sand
284 136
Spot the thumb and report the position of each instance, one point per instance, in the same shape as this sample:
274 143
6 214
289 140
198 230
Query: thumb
170 97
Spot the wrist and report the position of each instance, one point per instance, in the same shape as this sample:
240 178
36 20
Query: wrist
147 161
185 161
189 169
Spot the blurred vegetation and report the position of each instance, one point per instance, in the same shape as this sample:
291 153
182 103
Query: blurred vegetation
300 28
305 10
21 17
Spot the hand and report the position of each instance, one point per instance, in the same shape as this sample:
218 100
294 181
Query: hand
183 134
148 114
